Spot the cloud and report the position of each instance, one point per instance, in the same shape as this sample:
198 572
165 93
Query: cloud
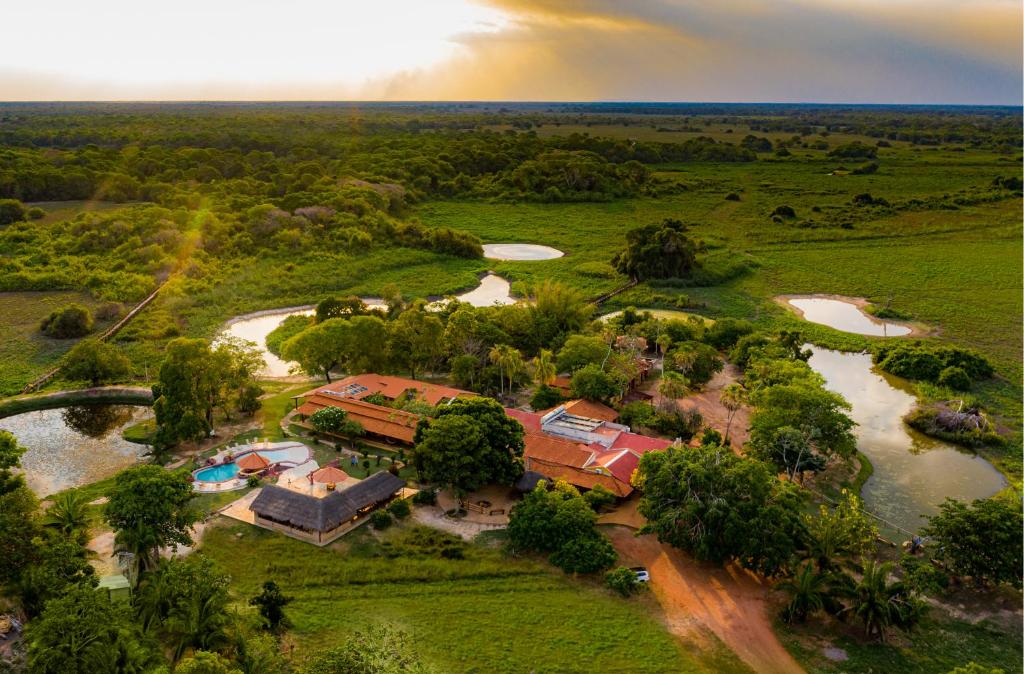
897 51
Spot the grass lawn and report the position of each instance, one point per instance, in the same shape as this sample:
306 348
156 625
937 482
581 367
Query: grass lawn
937 646
483 613
24 352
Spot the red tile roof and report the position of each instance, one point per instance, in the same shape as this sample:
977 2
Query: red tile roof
393 387
620 463
579 477
549 448
529 420
384 421
641 444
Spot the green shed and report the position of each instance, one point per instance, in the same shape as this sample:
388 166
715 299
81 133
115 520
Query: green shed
117 587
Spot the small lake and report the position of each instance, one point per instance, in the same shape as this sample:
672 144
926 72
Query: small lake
913 473
492 290
520 251
662 314
846 316
73 446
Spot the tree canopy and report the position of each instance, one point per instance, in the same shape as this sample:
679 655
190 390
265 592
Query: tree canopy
658 251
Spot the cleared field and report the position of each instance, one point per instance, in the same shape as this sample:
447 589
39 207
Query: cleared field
454 610
24 352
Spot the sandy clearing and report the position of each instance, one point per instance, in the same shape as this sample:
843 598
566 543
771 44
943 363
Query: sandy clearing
728 601
708 402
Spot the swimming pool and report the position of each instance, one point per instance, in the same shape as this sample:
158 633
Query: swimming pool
289 453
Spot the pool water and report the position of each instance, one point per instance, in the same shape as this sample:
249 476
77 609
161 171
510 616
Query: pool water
228 471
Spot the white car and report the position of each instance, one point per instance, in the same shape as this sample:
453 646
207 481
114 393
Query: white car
641 574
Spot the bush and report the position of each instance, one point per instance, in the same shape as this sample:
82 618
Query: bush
732 196
784 212
73 320
399 509
380 520
545 398
35 213
927 363
585 554
954 378
599 497
727 331
11 210
253 481
425 497
636 414
622 580
596 270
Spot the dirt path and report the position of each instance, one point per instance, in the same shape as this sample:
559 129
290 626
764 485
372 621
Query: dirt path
708 402
730 602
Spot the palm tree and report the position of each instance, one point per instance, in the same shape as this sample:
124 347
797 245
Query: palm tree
514 365
69 514
808 591
879 604
732 398
673 385
544 368
495 355
200 623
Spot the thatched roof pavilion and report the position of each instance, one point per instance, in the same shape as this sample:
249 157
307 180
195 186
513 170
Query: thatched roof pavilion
321 520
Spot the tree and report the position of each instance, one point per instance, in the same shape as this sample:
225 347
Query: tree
345 307
378 650
319 348
803 404
581 350
335 421
673 385
96 362
150 508
808 593
545 398
844 532
18 527
509 361
185 392
732 397
57 566
585 554
698 362
83 633
658 251
72 320
415 339
236 362
622 580
69 514
271 602
12 210
544 368
981 540
557 310
879 604
721 507
10 457
592 383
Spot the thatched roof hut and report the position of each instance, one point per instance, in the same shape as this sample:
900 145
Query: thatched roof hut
308 515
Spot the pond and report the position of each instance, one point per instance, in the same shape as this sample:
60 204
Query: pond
520 251
255 327
72 446
913 473
662 314
846 316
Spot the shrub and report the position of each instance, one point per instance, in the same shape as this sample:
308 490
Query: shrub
585 554
399 509
955 378
599 497
253 481
727 331
545 398
11 210
380 520
636 414
425 497
73 320
622 580
732 196
784 211
35 213
596 270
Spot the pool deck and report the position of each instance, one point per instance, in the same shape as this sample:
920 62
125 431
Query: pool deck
296 453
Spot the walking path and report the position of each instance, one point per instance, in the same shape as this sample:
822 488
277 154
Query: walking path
433 516
730 601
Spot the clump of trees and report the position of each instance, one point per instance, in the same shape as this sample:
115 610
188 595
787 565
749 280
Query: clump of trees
658 251
854 150
951 366
335 421
72 320
96 362
559 522
980 540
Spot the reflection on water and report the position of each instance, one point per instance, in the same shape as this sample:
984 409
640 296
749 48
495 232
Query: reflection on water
520 251
913 473
75 446
846 317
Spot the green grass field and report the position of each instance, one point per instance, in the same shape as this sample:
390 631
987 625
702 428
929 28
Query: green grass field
484 613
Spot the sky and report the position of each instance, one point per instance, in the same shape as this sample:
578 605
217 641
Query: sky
830 51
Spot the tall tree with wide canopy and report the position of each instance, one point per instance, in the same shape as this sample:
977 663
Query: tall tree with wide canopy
658 251
469 443
96 362
415 339
150 508
981 539
186 392
721 507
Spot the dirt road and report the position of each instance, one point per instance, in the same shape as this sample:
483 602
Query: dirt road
730 602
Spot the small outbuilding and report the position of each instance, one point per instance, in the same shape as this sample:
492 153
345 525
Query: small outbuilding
321 520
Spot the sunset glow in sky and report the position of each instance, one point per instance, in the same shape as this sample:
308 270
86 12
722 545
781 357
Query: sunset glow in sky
902 51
